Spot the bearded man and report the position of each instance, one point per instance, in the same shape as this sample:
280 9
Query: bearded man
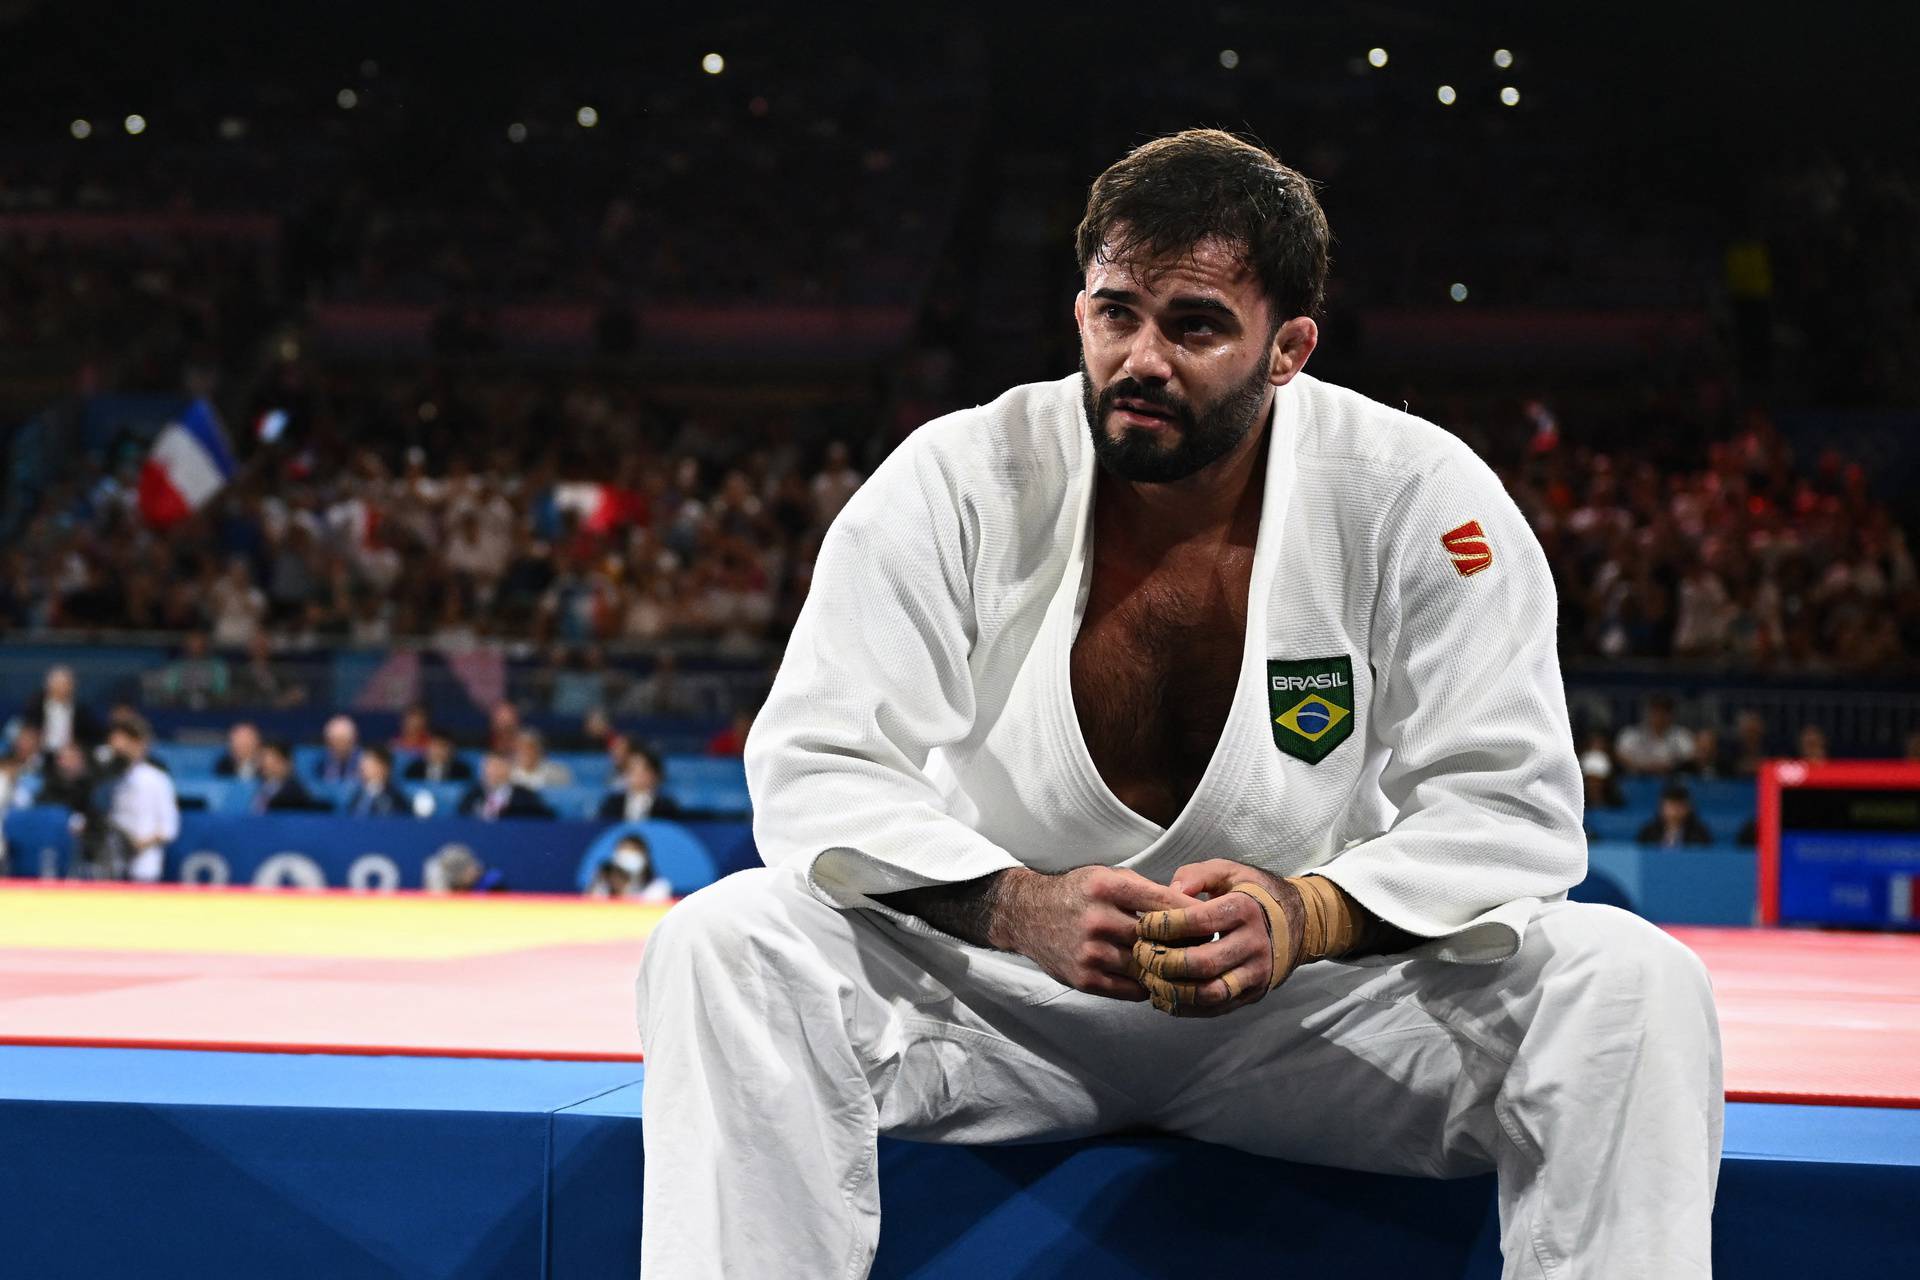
1179 745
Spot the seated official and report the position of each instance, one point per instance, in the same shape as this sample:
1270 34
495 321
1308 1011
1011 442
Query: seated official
629 874
241 760
499 796
1676 823
375 796
532 768
281 790
440 763
639 796
340 762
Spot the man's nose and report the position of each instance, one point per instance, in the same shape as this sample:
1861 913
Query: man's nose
1147 356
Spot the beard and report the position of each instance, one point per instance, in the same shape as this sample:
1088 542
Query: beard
1204 436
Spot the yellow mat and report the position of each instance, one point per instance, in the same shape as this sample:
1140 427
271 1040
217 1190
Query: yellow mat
289 923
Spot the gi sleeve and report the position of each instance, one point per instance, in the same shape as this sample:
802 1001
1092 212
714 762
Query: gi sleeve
875 677
1469 704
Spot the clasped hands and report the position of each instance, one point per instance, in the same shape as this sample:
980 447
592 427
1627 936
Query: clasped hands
1219 937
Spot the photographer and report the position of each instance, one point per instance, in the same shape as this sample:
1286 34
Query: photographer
142 816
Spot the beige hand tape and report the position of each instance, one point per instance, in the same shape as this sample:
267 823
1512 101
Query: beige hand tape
1329 926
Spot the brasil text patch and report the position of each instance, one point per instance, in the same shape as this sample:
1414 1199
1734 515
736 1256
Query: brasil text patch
1311 703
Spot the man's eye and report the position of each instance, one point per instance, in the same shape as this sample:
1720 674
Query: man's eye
1197 325
1113 311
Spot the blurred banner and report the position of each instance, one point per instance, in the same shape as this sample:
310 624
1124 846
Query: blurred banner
315 851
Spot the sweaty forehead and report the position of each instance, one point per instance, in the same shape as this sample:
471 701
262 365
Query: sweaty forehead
1212 266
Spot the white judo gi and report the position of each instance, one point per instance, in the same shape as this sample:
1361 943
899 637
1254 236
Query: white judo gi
1400 728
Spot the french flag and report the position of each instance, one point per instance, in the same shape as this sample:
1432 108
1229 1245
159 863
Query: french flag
190 462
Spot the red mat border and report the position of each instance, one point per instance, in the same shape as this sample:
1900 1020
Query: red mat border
342 1050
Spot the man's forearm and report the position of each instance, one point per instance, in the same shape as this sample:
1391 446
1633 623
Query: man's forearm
969 910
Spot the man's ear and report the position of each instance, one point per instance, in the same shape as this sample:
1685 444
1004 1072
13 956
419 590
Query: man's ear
1080 311
1293 342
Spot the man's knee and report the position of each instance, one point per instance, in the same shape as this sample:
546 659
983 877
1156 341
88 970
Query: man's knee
721 920
1604 953
750 920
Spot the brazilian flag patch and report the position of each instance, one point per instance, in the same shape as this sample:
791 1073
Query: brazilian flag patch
1312 705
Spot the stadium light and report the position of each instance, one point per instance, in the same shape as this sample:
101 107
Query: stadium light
136 125
233 128
1446 95
1503 58
81 128
516 132
713 64
1229 58
1457 291
586 117
1510 96
347 99
1377 56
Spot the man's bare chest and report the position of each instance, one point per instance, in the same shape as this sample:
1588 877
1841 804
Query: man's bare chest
1154 670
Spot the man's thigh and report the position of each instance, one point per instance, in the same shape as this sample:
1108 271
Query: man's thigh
952 1040
1391 1064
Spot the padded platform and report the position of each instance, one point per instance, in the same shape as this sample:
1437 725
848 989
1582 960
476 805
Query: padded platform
241 1165
1807 1017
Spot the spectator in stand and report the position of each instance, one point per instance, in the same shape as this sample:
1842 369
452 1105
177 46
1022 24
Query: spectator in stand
532 768
241 759
69 781
1749 745
835 485
58 714
416 731
628 873
731 740
662 692
340 766
236 605
259 683
25 758
596 731
581 682
440 763
503 728
145 812
281 790
1601 779
1813 744
638 797
1656 746
375 796
1676 823
198 678
619 749
24 777
497 796
1705 759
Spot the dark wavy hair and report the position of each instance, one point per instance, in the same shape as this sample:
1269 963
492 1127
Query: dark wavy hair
1168 195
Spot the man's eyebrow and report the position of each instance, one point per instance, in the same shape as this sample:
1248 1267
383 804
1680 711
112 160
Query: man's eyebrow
1195 302
1180 302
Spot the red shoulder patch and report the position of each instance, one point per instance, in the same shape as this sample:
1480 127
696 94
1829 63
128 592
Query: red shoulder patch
1469 548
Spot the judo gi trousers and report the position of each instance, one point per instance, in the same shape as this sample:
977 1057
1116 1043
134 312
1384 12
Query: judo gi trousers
783 1036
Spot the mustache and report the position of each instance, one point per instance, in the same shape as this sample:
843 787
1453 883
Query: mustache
1158 397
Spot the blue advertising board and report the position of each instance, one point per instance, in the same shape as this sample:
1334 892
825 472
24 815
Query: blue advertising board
376 854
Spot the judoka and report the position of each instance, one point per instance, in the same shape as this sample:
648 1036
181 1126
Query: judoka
1178 745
